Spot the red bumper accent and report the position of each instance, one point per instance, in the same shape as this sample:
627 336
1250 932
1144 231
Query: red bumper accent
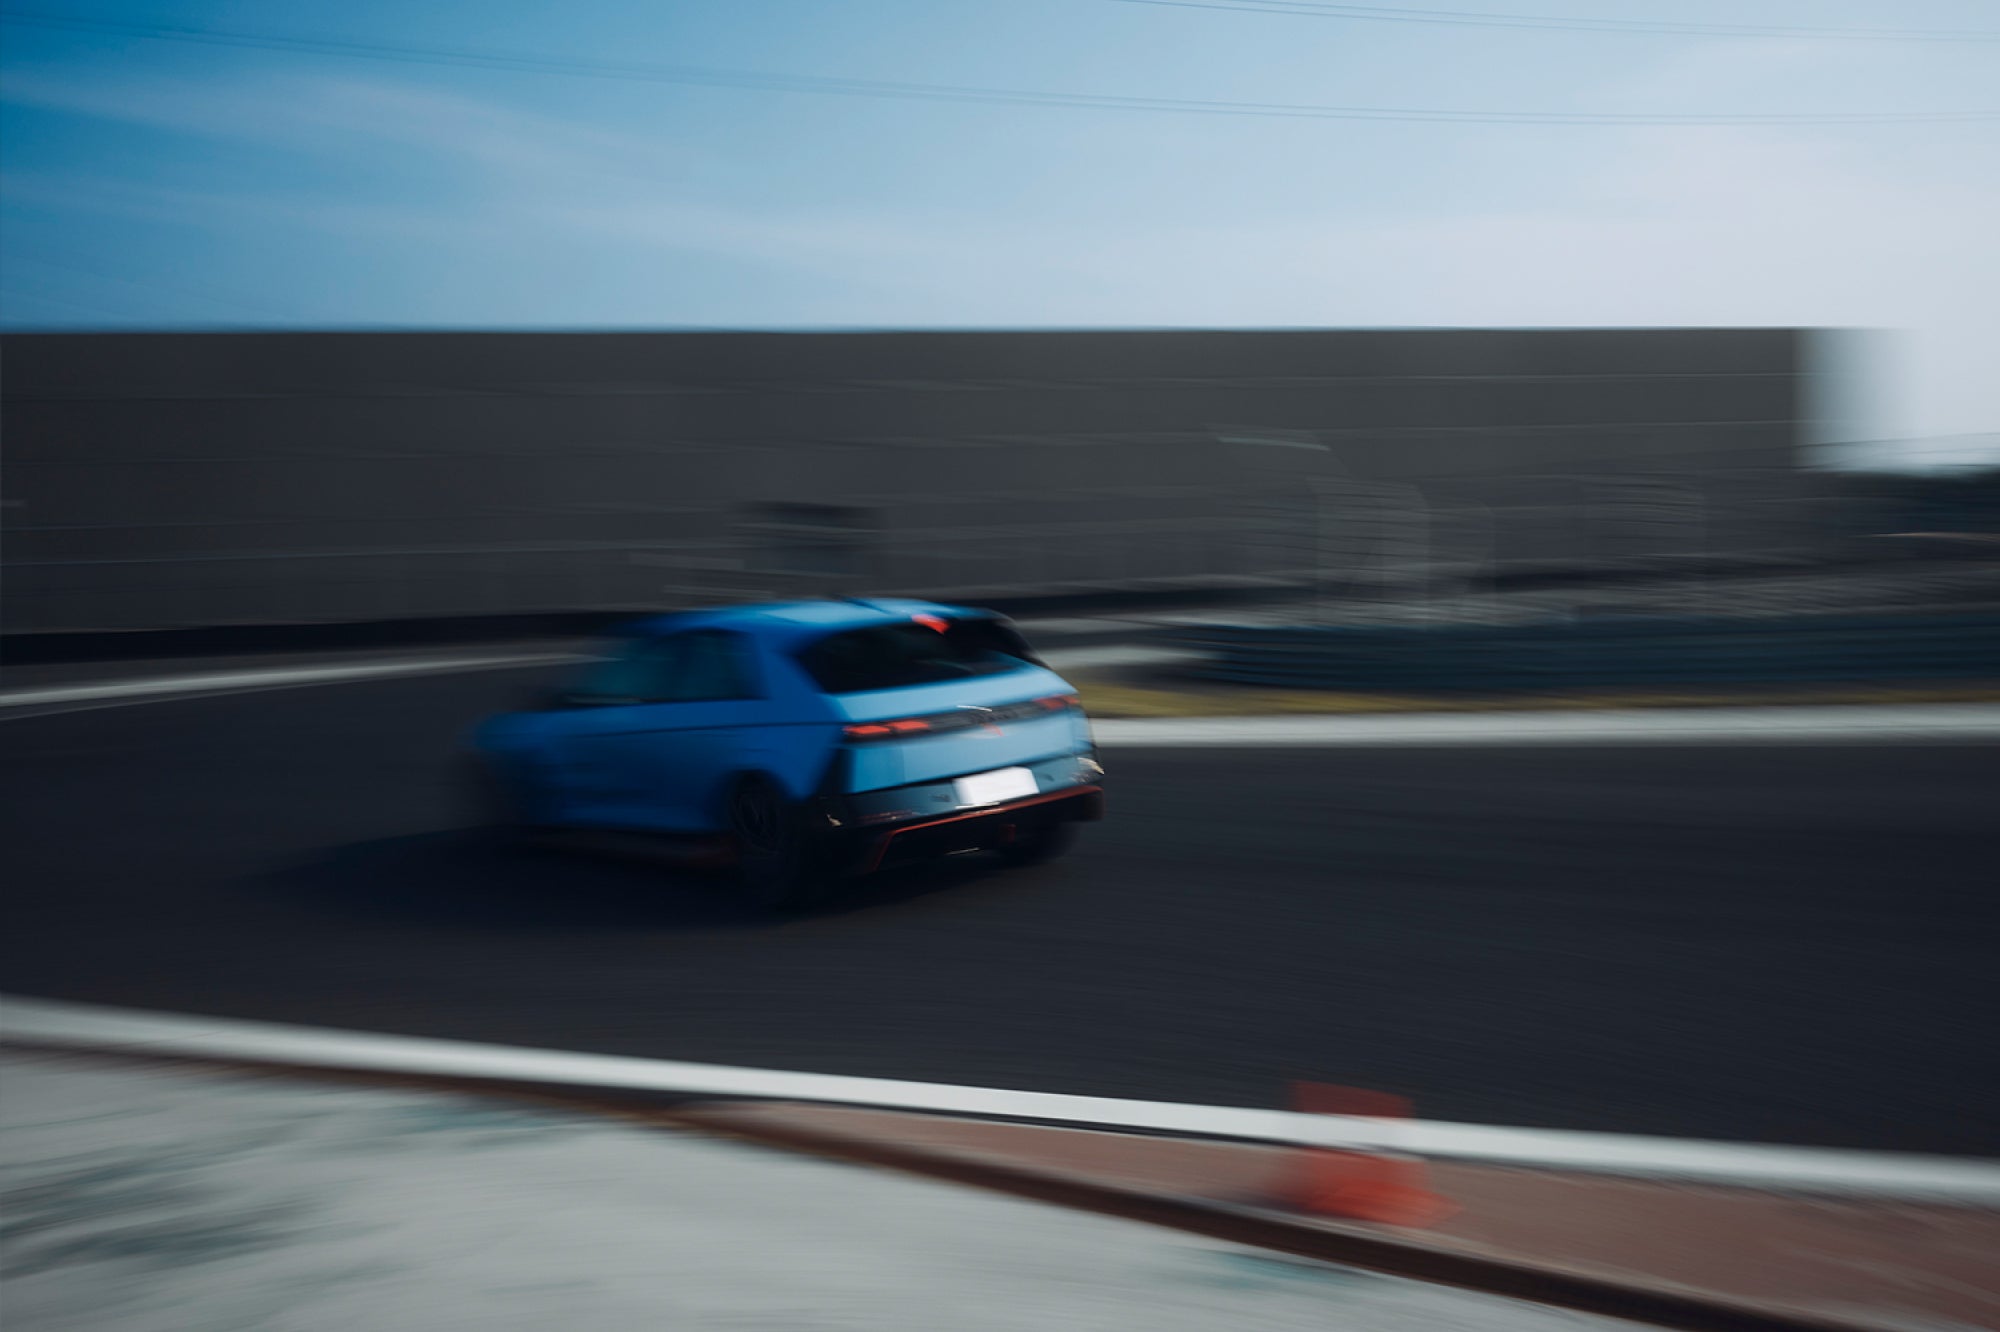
1092 797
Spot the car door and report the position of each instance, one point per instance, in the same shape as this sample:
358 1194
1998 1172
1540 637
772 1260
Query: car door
656 756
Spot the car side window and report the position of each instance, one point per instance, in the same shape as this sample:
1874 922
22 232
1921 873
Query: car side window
712 666
701 666
640 671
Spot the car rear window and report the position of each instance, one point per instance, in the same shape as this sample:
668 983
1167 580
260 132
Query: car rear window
894 656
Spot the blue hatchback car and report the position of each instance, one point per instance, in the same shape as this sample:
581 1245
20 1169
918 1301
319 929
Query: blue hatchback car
809 742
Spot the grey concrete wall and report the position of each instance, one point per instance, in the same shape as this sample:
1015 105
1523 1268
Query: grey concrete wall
162 479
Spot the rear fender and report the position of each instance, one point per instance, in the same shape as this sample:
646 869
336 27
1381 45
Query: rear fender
798 777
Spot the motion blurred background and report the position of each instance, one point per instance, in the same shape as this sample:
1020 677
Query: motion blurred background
391 314
1261 356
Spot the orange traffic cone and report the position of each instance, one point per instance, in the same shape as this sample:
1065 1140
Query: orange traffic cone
1382 1187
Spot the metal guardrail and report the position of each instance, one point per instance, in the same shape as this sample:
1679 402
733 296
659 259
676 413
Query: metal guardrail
1637 651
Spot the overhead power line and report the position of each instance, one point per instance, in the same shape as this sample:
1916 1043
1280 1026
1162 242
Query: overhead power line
1568 23
697 76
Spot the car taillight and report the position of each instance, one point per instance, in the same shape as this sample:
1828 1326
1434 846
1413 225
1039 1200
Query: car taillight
962 718
888 730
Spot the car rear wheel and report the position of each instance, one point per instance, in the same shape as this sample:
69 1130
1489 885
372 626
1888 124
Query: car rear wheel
777 861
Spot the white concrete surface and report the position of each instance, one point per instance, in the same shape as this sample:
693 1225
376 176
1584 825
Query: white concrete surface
60 1025
147 1199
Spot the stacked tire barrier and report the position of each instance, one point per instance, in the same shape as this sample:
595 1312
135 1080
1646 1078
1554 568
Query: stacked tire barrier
1603 652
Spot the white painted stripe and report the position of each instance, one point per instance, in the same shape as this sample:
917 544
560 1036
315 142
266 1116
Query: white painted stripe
1926 722
1745 725
286 677
159 688
1087 658
1070 626
42 1022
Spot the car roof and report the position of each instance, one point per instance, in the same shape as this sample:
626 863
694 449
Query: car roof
799 620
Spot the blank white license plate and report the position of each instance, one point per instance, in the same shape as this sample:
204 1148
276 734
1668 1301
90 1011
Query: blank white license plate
989 788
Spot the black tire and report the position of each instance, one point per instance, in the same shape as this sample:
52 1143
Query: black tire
1037 843
778 864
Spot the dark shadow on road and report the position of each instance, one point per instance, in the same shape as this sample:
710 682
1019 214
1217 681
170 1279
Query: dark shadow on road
468 878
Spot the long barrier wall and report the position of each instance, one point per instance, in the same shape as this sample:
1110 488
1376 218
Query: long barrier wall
199 479
1612 651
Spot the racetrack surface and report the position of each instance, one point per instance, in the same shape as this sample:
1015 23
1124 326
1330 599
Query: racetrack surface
1788 944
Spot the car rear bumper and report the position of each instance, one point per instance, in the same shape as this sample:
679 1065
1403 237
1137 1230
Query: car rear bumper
986 827
867 829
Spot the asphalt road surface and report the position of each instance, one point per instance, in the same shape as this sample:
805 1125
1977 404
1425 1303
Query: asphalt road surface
1793 944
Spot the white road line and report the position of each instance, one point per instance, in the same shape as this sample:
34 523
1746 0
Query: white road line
222 682
161 688
1744 725
1906 722
1087 658
49 1023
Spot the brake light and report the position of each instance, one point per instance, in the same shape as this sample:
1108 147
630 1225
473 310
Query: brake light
933 623
965 717
885 730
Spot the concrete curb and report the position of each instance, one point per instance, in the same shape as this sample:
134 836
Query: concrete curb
1384 1251
1835 1172
1002 1152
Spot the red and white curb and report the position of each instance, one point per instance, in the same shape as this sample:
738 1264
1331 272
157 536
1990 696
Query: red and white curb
49 1023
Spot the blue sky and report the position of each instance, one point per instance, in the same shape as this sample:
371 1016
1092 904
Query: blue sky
157 183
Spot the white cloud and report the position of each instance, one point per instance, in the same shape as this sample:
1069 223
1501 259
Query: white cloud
333 115
1887 228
